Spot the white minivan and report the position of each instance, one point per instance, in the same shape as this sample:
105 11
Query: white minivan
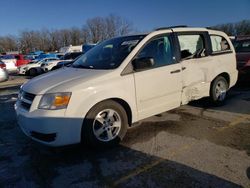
124 80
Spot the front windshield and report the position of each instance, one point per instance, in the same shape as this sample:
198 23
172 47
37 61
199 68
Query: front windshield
108 54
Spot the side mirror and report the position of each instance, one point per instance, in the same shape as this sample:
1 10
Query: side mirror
143 63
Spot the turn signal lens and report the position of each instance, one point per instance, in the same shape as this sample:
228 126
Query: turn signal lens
54 101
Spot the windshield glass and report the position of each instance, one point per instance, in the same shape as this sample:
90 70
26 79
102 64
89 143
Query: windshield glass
108 54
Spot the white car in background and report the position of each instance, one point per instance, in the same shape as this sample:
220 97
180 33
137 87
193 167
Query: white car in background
34 67
10 63
48 66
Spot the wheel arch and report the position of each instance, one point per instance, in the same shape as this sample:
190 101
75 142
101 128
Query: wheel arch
123 103
224 75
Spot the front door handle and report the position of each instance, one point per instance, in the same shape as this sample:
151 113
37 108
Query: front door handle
175 71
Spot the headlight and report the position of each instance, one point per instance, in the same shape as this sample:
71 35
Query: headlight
55 101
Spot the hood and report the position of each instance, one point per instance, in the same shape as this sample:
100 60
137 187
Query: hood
43 83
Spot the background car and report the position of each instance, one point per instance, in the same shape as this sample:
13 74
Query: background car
33 68
85 48
2 65
43 56
242 48
10 63
47 66
21 59
4 76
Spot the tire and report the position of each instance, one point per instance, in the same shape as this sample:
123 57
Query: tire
218 91
105 125
32 72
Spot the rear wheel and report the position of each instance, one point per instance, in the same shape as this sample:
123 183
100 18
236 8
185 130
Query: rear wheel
218 90
105 124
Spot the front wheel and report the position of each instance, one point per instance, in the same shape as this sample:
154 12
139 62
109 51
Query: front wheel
218 90
105 124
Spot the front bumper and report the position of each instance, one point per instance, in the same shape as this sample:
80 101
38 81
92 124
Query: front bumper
49 127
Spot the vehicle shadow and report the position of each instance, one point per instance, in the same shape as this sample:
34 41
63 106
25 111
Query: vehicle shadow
117 167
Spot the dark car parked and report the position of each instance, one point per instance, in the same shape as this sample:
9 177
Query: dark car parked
67 59
242 48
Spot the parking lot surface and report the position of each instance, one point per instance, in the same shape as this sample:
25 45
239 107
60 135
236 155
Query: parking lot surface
196 145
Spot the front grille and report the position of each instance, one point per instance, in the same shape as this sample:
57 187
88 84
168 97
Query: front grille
25 105
26 99
28 96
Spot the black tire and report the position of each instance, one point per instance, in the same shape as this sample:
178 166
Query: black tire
216 96
32 72
54 68
90 123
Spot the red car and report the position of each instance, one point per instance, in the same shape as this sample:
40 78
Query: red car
2 65
21 60
242 48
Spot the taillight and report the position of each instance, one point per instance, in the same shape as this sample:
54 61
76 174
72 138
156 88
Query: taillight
2 66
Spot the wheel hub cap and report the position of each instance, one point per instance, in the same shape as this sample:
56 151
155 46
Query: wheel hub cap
107 125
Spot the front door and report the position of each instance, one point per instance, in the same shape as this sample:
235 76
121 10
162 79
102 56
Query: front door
158 89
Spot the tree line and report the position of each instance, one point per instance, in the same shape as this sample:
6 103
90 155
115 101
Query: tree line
235 29
95 30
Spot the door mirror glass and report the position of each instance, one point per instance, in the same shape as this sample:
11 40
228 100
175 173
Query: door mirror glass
143 63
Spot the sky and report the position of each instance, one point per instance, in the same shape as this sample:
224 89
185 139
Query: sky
145 15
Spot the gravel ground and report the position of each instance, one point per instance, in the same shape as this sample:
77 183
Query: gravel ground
196 145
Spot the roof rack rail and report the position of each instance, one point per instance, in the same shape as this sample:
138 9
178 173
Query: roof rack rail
171 27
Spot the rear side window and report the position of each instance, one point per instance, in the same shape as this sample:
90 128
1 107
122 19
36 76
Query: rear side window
219 44
192 46
242 46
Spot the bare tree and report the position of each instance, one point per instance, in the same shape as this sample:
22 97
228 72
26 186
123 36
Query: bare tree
8 43
95 30
239 28
102 28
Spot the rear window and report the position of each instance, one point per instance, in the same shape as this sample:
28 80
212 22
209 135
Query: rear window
219 44
242 46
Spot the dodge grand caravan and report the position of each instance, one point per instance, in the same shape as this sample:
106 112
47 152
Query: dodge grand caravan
124 80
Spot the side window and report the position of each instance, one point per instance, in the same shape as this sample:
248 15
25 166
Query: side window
160 50
219 43
242 46
192 46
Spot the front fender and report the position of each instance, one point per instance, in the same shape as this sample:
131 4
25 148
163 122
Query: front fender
83 99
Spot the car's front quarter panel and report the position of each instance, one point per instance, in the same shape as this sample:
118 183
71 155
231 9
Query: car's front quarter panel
84 97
